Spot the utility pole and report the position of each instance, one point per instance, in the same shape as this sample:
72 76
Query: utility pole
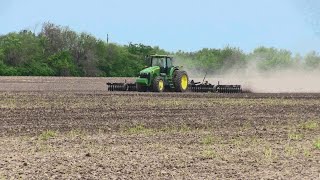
107 38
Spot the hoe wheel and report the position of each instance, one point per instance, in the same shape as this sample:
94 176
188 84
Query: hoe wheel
158 84
181 81
141 88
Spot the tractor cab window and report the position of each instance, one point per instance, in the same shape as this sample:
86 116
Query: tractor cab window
161 62
169 62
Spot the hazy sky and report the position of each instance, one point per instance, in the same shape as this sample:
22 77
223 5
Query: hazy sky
187 25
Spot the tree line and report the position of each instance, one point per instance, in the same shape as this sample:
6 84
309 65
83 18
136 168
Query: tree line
60 51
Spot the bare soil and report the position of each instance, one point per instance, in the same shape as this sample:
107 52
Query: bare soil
72 128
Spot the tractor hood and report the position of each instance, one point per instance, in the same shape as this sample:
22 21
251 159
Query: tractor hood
150 70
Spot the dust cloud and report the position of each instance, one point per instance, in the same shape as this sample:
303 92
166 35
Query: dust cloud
285 81
290 80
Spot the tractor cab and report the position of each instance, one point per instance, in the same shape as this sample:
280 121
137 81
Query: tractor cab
163 61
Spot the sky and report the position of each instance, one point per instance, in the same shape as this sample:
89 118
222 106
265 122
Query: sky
173 25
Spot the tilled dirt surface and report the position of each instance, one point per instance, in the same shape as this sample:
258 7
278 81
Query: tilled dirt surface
57 84
84 132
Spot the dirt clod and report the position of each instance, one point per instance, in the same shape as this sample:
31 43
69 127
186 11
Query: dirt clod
88 155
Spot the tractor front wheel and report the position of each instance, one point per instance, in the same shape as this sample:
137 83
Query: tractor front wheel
158 84
181 81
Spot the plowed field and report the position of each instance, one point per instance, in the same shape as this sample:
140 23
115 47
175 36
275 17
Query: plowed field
72 128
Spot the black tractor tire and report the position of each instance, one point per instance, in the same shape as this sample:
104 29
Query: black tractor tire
141 88
178 77
158 84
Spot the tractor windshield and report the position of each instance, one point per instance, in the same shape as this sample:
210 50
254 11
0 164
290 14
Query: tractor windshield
159 61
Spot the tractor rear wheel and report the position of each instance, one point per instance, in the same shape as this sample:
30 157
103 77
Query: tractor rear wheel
158 84
141 88
180 81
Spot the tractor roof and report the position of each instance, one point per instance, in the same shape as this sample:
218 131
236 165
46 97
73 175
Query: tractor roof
156 55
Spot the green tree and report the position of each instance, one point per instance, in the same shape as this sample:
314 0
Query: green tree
271 58
312 60
63 64
12 48
36 68
233 59
119 61
1 55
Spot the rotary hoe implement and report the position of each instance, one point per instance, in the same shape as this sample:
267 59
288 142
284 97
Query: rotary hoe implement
162 76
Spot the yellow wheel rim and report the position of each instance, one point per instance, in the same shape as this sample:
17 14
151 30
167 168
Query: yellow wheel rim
184 82
161 85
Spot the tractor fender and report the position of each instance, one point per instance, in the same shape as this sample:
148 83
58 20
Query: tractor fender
172 70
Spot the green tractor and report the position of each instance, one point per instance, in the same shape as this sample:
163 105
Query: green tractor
161 76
